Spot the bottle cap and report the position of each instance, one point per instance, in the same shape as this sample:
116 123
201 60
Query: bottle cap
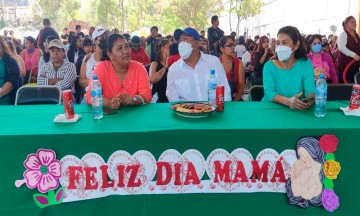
95 77
212 72
322 76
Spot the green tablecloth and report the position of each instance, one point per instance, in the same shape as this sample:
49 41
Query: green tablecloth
155 128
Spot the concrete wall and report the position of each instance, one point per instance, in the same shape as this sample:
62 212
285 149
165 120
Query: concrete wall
309 16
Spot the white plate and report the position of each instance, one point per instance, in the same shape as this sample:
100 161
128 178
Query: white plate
192 115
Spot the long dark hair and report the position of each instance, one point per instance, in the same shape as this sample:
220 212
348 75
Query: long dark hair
223 40
248 44
313 37
346 21
73 48
312 146
5 47
72 35
295 36
260 48
11 46
110 44
31 40
160 44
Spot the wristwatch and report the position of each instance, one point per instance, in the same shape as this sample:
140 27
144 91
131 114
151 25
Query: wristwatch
134 99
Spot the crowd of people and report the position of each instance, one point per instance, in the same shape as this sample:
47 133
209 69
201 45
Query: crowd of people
136 70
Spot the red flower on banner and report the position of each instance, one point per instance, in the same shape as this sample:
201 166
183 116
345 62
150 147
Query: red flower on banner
329 143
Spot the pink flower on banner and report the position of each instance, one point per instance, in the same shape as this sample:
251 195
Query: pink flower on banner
43 170
330 200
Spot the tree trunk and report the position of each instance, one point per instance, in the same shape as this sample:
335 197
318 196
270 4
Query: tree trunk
230 12
121 5
238 25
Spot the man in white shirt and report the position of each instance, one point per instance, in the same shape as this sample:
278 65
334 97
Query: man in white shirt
188 78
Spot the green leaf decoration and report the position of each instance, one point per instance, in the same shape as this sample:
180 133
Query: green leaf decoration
60 194
41 200
330 156
328 183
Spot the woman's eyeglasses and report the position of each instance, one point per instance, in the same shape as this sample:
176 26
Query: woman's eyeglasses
230 45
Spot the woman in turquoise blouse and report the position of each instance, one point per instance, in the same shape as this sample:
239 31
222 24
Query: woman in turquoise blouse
9 75
290 77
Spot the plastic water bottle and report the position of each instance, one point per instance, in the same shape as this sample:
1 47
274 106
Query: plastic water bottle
320 97
96 98
212 89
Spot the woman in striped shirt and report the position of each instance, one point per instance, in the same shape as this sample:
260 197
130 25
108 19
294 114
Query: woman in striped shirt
59 72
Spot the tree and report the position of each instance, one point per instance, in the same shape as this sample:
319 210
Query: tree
194 13
243 9
107 13
60 14
129 15
2 23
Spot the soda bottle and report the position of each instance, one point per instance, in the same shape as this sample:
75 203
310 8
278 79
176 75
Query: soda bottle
96 98
212 88
320 96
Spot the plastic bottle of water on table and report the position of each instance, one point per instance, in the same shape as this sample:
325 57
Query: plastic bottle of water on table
96 98
212 89
320 97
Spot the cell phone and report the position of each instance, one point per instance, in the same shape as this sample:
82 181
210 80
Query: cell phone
108 111
308 99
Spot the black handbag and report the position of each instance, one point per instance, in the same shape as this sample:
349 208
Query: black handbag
232 83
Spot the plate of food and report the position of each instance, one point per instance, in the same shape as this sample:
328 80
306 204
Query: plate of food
192 109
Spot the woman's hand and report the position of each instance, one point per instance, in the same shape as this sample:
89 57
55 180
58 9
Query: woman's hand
310 103
87 57
266 51
115 102
357 57
167 63
125 99
295 103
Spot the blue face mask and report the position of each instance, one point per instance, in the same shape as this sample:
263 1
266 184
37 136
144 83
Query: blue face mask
283 52
31 50
316 48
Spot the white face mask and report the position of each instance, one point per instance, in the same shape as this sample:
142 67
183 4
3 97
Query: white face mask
185 49
283 52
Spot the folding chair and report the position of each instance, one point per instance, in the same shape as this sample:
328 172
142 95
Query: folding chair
33 75
21 81
27 95
357 78
256 93
337 92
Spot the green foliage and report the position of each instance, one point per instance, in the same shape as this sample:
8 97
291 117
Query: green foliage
129 15
2 24
108 13
60 13
194 13
243 9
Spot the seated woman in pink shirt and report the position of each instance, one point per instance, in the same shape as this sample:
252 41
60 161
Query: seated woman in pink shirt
123 81
321 61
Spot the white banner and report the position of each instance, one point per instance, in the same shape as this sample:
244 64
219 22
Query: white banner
124 174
